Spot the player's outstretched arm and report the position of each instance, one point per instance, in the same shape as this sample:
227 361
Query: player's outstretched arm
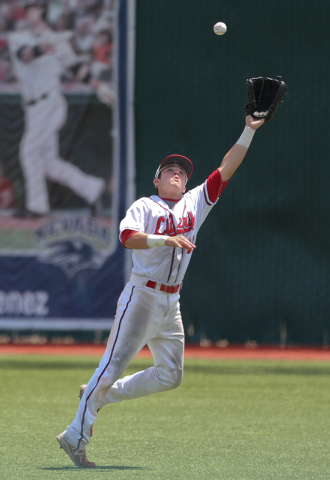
236 154
141 241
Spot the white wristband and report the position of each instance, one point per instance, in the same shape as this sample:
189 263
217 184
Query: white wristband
246 138
156 240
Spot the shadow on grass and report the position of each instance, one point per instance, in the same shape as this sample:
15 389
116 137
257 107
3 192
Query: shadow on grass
98 467
220 369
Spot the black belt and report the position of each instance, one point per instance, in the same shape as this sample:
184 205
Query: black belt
36 100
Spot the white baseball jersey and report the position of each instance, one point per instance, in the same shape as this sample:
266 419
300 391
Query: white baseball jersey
42 75
152 215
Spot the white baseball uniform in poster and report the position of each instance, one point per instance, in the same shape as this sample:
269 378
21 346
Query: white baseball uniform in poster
45 114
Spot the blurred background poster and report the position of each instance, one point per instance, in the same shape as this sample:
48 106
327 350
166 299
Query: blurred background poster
64 144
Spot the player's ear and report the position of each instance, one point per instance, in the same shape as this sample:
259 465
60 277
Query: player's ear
184 189
156 182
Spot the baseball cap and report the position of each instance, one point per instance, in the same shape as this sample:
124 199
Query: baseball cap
180 160
39 4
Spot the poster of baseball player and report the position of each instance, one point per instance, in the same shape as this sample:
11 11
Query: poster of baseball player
60 157
44 57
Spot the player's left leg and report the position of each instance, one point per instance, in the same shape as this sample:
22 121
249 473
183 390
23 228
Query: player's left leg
60 171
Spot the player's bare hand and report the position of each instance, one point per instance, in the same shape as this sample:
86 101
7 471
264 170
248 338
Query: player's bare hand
254 122
180 241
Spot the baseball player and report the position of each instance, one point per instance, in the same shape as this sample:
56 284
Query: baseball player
39 57
161 231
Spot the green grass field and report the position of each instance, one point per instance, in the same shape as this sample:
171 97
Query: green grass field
232 420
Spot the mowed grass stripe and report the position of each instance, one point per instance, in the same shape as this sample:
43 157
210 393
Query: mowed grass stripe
228 420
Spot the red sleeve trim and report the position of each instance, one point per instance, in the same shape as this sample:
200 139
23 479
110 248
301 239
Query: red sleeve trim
125 235
215 186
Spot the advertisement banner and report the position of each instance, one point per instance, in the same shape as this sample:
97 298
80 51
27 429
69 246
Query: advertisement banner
66 71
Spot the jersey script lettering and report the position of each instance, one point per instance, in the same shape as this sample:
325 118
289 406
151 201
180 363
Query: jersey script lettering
167 227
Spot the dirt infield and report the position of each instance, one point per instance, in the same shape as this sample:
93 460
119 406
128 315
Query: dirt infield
191 351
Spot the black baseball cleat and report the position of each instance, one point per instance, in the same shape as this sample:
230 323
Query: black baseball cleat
78 456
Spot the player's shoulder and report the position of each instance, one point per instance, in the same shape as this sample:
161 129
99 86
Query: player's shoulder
194 192
21 37
152 200
142 202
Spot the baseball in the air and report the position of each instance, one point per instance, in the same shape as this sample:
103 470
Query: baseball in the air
220 28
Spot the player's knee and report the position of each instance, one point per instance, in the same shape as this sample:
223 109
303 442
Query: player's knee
105 383
177 377
169 378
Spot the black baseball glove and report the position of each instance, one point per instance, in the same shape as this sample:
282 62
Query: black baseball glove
265 95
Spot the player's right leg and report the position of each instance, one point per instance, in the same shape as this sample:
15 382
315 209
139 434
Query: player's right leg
65 173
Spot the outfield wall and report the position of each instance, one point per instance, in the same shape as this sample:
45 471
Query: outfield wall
261 270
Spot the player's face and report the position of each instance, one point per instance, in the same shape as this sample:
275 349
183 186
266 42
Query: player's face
33 15
172 182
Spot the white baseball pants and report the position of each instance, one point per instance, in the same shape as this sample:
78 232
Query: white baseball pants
39 156
144 316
